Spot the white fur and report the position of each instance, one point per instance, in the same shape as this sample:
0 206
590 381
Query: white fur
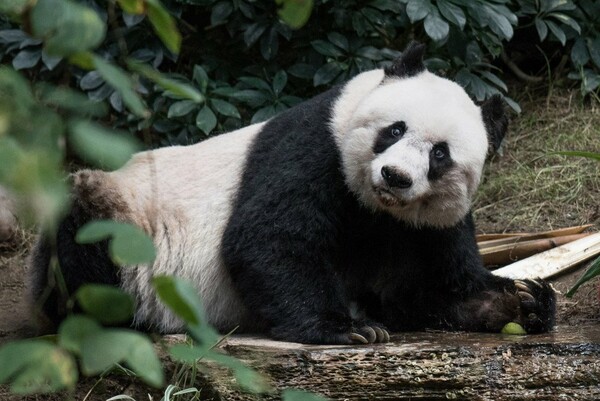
185 210
434 110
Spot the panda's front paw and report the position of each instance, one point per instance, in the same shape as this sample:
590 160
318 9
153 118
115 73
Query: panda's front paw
537 305
369 333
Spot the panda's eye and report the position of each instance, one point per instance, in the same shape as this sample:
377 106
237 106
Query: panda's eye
440 152
398 129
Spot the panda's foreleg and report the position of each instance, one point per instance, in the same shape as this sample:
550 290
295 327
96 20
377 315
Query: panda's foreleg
281 259
481 301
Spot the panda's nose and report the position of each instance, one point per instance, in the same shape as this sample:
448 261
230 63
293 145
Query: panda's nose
394 178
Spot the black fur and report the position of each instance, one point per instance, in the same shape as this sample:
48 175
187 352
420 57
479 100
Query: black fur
495 120
437 167
300 249
79 264
386 137
409 64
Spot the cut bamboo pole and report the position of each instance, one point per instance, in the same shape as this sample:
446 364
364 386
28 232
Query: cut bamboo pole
504 254
489 240
554 261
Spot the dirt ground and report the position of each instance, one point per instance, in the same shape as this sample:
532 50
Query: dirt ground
522 191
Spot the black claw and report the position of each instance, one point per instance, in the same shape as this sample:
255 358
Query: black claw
526 296
369 333
356 338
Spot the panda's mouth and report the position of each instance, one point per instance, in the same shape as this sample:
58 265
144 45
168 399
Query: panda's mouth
388 198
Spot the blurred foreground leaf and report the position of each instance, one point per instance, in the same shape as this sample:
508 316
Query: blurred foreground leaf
35 366
129 245
106 304
66 27
104 148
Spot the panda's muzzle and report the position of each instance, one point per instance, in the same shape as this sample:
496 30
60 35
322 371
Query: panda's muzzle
395 179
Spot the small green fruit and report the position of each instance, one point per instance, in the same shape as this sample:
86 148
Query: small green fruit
513 329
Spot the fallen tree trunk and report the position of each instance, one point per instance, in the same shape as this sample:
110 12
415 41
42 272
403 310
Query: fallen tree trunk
428 366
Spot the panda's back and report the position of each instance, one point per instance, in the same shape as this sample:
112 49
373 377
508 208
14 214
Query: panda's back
182 197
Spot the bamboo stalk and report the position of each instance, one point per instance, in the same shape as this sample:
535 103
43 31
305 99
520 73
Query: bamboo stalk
503 254
554 261
488 240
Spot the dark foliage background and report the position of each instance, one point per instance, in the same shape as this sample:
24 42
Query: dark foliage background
250 65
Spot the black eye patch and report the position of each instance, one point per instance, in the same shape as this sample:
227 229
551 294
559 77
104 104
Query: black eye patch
440 160
388 136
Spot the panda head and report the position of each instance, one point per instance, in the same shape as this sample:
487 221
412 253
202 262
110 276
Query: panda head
413 144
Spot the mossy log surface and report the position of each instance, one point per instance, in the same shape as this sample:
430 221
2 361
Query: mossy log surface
561 365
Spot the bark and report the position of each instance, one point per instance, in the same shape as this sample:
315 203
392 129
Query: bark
564 364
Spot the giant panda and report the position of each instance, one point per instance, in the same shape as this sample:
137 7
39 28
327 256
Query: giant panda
337 221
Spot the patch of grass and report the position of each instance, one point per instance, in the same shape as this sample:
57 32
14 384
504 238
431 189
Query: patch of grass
528 190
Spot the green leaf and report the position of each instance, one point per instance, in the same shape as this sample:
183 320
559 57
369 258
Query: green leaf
327 73
177 88
594 49
74 329
181 297
498 23
253 32
542 29
101 147
326 48
26 59
123 84
225 108
67 27
107 304
452 13
279 82
181 108
252 98
558 32
200 77
36 366
14 7
494 79
263 114
565 19
129 244
104 349
435 27
418 9
206 120
590 273
370 52
591 81
132 6
291 394
164 25
295 13
589 155
256 83
70 100
339 40
580 54
220 12
302 70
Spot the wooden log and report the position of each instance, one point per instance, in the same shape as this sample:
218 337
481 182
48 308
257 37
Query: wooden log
501 255
425 366
554 261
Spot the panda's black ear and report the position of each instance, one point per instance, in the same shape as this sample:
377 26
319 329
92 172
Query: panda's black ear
409 64
495 120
